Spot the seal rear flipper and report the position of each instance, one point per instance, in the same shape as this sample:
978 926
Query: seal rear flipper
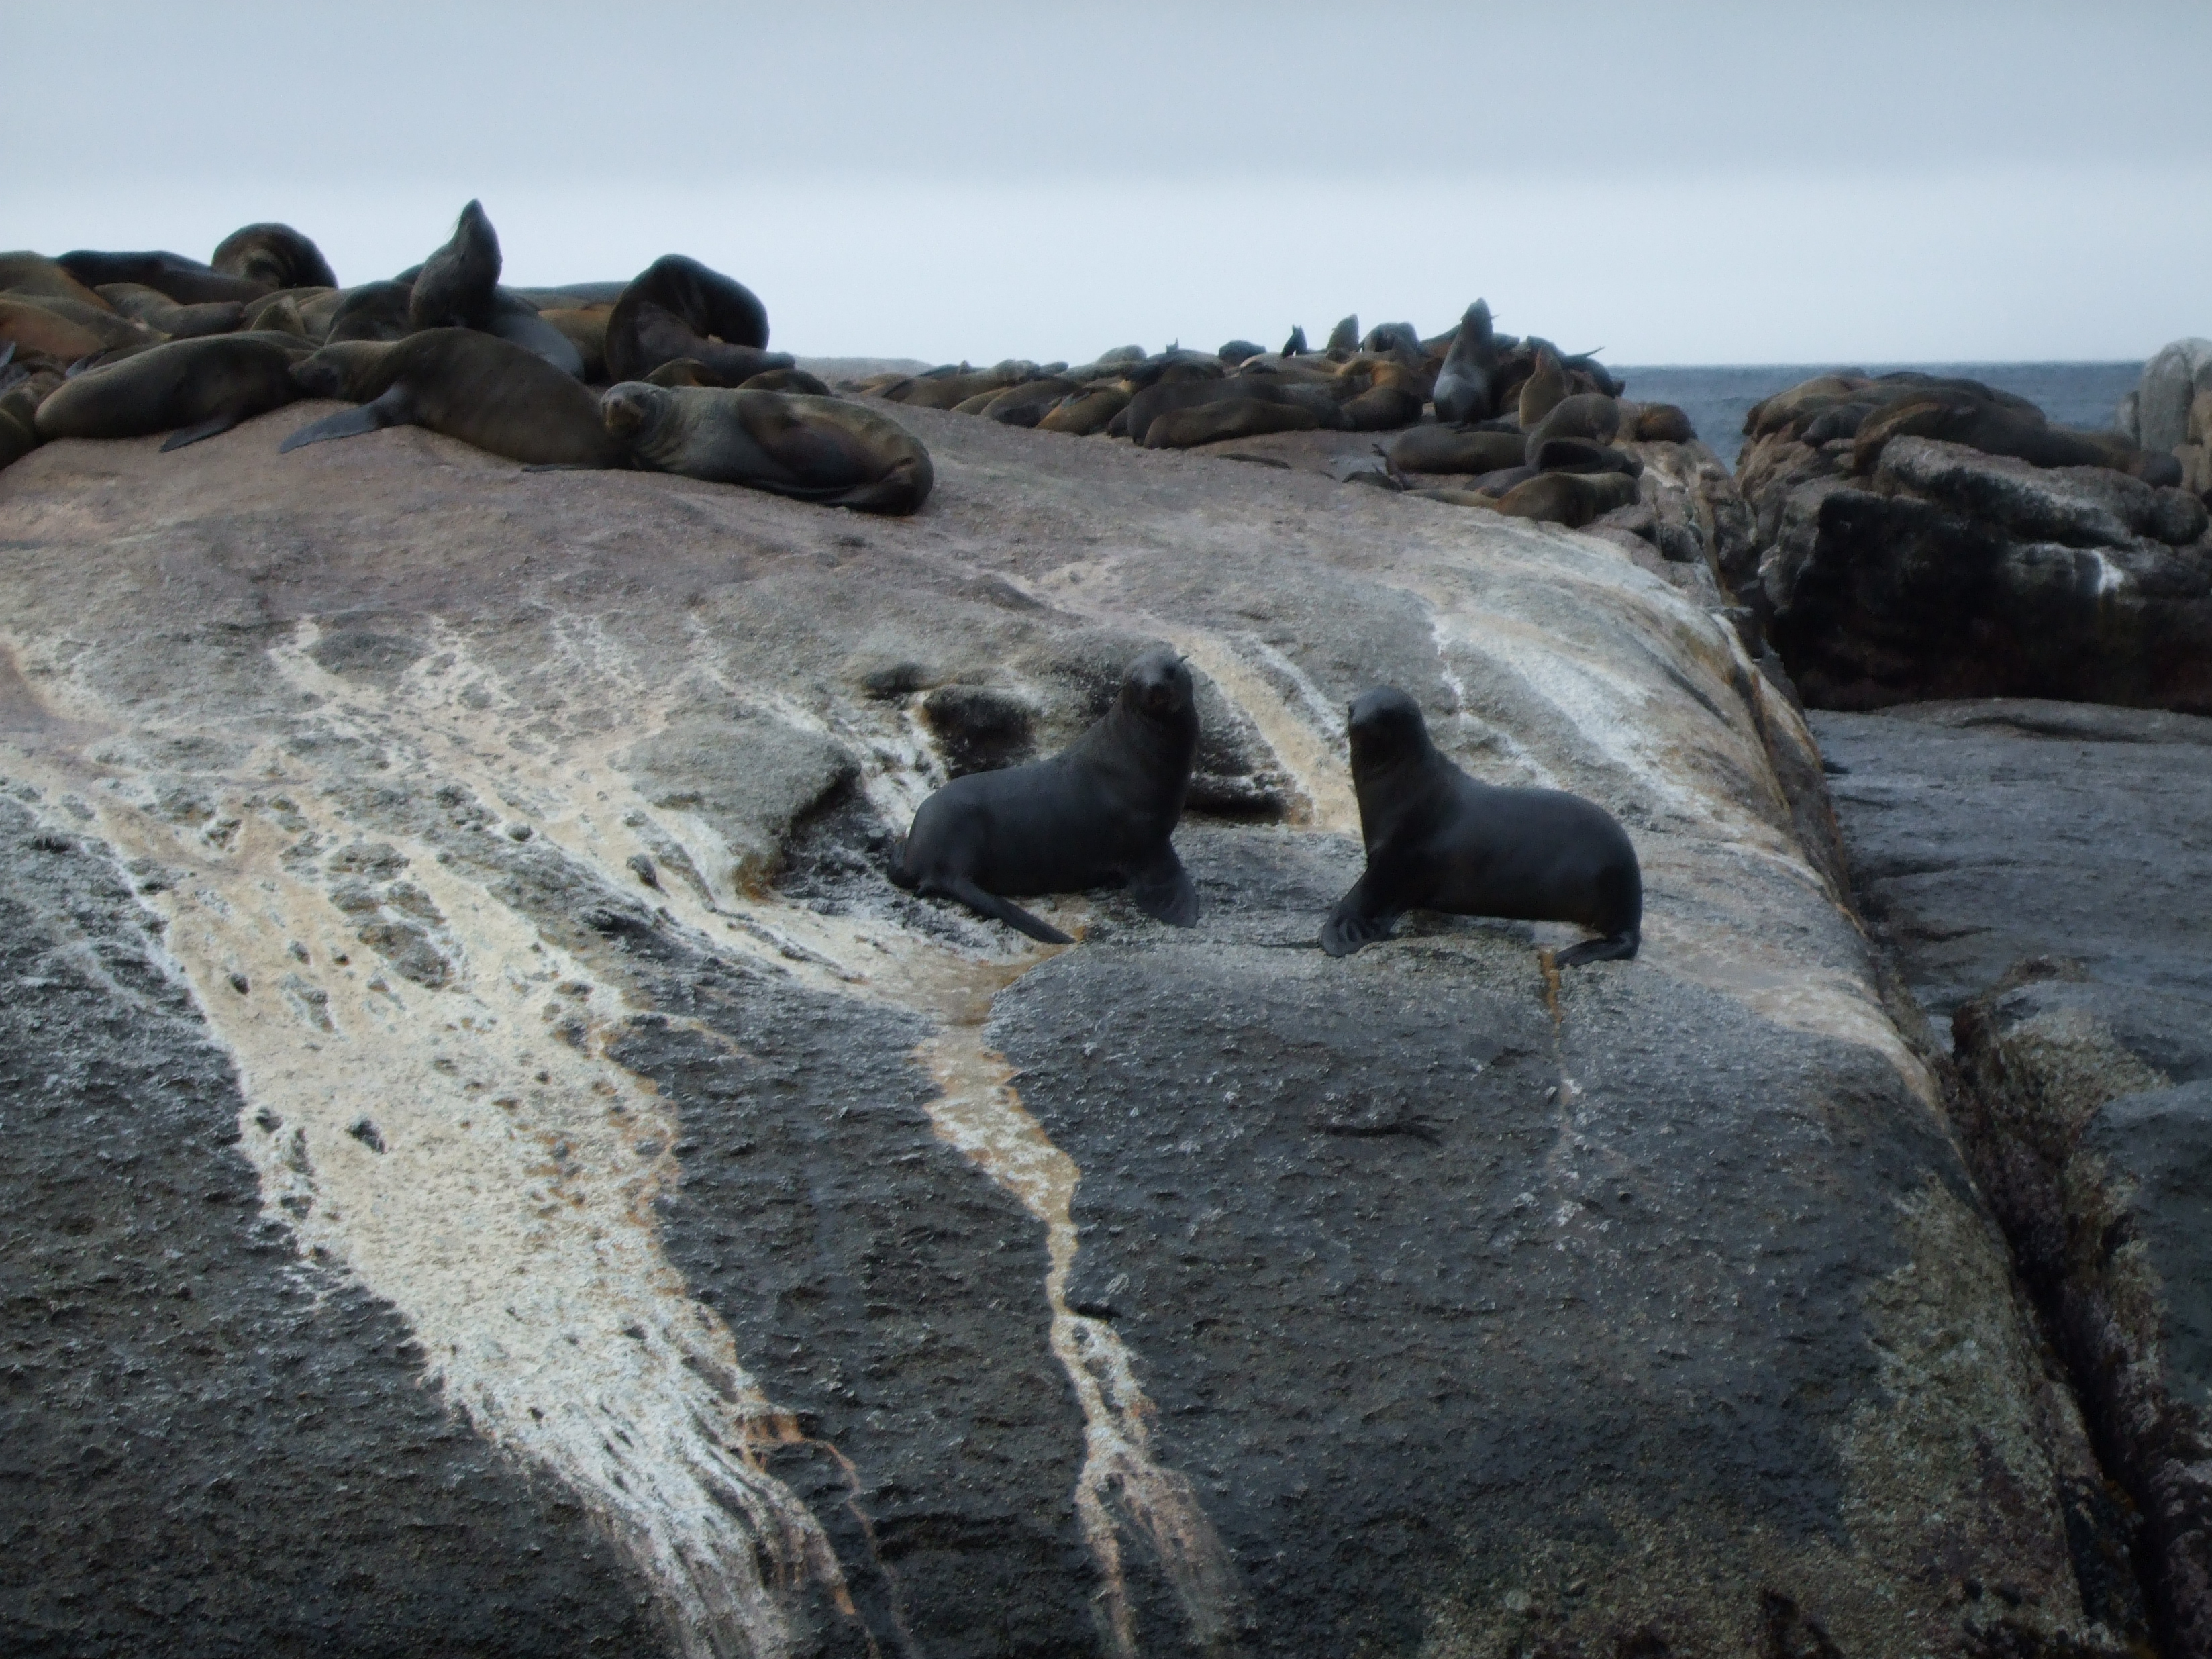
193 433
392 409
1164 891
1357 920
965 888
1616 947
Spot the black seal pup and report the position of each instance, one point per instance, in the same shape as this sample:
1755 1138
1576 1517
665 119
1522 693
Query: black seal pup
1099 813
1437 840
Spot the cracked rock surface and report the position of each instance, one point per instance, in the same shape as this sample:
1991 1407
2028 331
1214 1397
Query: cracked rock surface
452 899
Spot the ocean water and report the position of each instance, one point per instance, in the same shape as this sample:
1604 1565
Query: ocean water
1716 399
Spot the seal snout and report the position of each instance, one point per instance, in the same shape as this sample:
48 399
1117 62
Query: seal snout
1159 685
623 407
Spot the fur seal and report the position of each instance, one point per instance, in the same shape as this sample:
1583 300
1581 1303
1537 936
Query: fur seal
33 330
191 389
788 380
1296 346
1155 401
1226 417
1582 455
1572 499
375 311
1543 390
476 387
187 282
157 310
1467 385
1237 350
1089 411
1345 337
1664 423
34 276
514 318
676 307
1589 414
101 320
1437 840
1099 813
1388 336
810 448
275 254
586 327
455 287
1446 449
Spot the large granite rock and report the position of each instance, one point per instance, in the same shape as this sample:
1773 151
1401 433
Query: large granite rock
1948 573
2038 873
450 939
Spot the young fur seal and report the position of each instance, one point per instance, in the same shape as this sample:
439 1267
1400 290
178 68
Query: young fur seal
813 449
677 307
1437 840
1099 813
476 387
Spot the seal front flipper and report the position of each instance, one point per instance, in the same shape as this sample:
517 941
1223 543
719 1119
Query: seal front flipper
965 888
394 408
1355 922
192 434
1163 890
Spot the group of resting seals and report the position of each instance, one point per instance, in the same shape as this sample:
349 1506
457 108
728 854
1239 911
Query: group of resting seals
1102 811
1537 426
124 345
1867 411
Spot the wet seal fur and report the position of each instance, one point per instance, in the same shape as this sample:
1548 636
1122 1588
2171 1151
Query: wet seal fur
811 448
1437 840
1098 814
476 387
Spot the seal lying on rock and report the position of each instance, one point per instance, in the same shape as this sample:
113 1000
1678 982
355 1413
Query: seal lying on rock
476 387
810 448
1098 814
677 307
1437 840
191 389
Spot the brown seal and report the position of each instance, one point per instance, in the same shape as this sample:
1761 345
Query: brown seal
187 282
814 449
1543 390
1572 499
1450 449
456 286
191 389
477 387
157 310
676 307
275 254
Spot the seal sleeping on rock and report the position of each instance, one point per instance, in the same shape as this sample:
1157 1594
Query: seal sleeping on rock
1098 814
810 448
1437 840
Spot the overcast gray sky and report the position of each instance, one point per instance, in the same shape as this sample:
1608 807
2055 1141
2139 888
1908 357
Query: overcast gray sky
1692 182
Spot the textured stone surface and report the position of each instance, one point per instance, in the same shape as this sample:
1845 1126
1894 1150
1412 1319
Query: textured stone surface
1950 573
766 1216
2038 871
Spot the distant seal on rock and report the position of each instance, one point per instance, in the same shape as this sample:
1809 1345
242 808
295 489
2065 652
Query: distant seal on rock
157 310
191 389
810 448
1572 499
1099 813
1437 840
1543 390
456 286
375 311
1664 423
1467 385
676 307
1583 415
1345 337
275 254
187 282
1446 449
477 387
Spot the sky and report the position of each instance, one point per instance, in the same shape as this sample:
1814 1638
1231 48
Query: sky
1719 183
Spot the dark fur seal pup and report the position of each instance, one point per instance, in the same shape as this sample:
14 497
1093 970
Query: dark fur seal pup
814 449
191 389
1467 385
456 286
476 387
676 307
1437 840
275 254
1099 813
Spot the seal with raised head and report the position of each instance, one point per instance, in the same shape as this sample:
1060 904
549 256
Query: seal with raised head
456 286
275 254
1467 385
677 307
1099 813
477 387
191 389
813 449
1437 840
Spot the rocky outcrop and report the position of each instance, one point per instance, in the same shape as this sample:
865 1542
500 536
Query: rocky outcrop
1950 573
451 942
2037 871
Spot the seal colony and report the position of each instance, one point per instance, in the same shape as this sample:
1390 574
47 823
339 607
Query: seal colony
99 344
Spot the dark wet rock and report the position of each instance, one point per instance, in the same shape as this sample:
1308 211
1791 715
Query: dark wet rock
2037 871
1951 574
